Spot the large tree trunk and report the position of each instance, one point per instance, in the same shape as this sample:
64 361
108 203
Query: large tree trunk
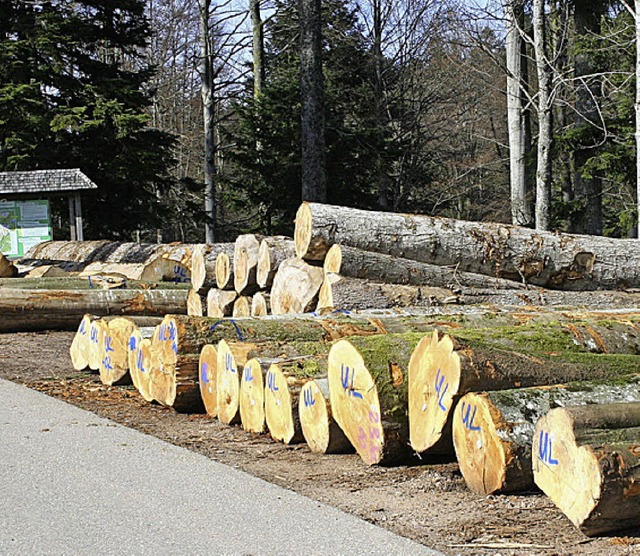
637 113
493 431
272 252
257 47
586 459
295 288
561 261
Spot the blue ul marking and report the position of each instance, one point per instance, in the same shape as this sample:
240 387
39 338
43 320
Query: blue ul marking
132 343
204 373
344 378
441 392
468 417
545 449
83 328
139 362
229 363
94 335
308 398
271 382
107 345
248 374
107 363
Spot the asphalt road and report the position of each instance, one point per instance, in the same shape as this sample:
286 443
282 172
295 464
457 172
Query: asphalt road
74 483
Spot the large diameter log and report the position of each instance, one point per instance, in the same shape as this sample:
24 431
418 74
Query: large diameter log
368 394
229 373
27 310
245 263
159 269
224 272
79 349
549 259
295 288
114 349
272 251
587 461
493 431
452 365
320 430
220 303
252 397
281 407
208 365
139 358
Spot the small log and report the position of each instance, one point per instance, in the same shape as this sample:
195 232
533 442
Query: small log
368 394
7 268
229 373
587 461
224 272
281 407
208 366
194 304
198 268
220 303
242 307
113 345
295 288
353 294
159 269
252 397
272 251
245 263
493 431
260 304
320 430
79 350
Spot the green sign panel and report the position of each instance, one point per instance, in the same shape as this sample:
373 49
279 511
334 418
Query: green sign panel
22 225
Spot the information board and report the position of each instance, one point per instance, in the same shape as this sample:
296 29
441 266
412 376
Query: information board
23 224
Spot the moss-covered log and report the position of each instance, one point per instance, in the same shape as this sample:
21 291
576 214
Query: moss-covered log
493 431
587 460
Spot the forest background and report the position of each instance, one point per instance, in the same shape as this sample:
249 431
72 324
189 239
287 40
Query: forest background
518 111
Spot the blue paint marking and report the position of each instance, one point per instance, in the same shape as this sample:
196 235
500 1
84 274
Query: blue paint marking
308 398
204 373
233 322
132 343
107 344
228 363
441 392
545 449
248 374
344 379
174 347
94 335
107 363
271 382
467 418
83 328
139 363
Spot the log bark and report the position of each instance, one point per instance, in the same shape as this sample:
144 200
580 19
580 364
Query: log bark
260 304
208 365
493 431
321 432
445 367
368 394
242 307
252 397
587 460
295 288
272 251
30 310
281 407
245 263
159 269
220 303
562 261
224 272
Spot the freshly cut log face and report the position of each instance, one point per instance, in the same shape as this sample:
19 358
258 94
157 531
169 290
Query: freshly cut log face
228 385
194 304
198 268
224 272
252 397
587 461
242 307
143 366
134 356
220 303
79 350
114 350
493 431
260 303
273 250
245 263
281 408
208 379
295 288
320 430
96 329
333 260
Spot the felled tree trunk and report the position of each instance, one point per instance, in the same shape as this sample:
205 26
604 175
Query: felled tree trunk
320 430
252 397
220 303
295 288
548 259
159 269
245 263
113 346
493 431
229 374
194 304
272 251
136 355
242 307
281 407
208 365
587 460
79 350
224 272
260 304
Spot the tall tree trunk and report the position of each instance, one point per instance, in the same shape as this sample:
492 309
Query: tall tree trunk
383 177
543 170
637 106
520 208
314 186
258 48
208 112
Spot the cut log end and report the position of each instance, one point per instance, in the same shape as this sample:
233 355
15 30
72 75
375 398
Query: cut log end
252 398
242 307
220 303
228 385
198 268
260 304
194 304
224 275
333 260
79 350
281 408
208 365
113 347
307 246
295 287
245 262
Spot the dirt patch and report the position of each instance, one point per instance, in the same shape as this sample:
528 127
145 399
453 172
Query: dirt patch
428 503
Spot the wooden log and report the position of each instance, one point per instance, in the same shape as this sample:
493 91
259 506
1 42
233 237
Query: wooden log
368 394
252 397
229 374
7 268
220 303
138 358
353 294
281 398
224 272
198 268
29 310
144 364
242 307
272 251
378 267
493 431
260 304
295 288
451 365
208 365
245 263
320 430
43 271
194 304
113 346
587 461
548 259
79 350
159 269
